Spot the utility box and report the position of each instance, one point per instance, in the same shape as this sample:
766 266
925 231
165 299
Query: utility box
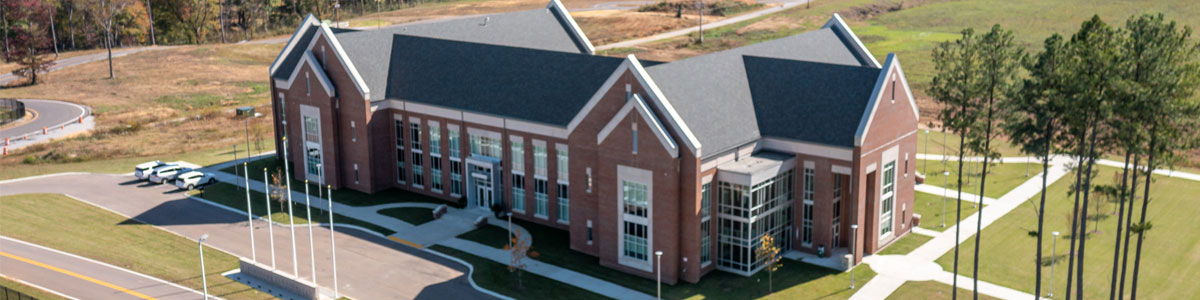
245 111
847 261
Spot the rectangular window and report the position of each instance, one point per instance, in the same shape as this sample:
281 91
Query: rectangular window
745 214
484 145
400 133
418 172
455 177
806 231
887 199
705 224
312 130
539 196
435 172
435 139
518 155
563 170
635 139
635 199
455 148
635 230
539 160
837 210
564 204
416 136
400 165
518 184
635 241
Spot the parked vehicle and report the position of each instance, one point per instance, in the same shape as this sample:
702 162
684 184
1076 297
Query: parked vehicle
165 173
194 179
142 170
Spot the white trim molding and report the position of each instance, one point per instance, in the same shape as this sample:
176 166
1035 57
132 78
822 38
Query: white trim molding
838 24
791 146
574 27
308 21
311 61
656 126
346 63
864 124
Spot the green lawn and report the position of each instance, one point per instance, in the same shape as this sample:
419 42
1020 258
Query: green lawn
121 165
930 290
413 215
906 244
795 280
1001 177
942 143
344 196
929 206
1173 246
232 196
13 286
105 236
495 276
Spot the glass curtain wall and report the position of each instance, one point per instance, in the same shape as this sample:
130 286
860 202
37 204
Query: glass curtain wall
745 214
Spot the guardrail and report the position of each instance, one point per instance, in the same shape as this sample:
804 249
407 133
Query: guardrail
11 294
11 110
8 140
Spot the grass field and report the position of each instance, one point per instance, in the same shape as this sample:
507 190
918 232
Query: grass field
906 244
413 215
13 286
1172 247
947 143
930 208
930 290
231 196
1001 177
105 236
795 280
496 277
122 165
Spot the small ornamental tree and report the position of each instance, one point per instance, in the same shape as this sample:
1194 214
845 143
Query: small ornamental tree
29 39
770 250
519 249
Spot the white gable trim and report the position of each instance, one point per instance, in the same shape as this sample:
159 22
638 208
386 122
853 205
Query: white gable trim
659 131
313 64
578 32
840 25
309 21
661 103
864 124
346 63
595 100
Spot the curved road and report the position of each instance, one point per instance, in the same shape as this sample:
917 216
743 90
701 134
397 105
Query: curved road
50 113
369 266
82 278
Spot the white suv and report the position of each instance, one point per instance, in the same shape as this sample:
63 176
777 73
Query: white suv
166 173
194 179
142 171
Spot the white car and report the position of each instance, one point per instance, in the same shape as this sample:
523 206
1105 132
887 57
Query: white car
194 179
165 173
142 171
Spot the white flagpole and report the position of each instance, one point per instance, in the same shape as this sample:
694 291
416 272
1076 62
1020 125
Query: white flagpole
249 212
311 248
270 224
332 244
291 221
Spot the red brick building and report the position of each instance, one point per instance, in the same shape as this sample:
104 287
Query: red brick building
798 137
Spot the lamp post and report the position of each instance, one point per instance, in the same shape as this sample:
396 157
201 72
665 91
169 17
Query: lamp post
337 19
332 245
853 252
270 224
311 248
235 159
658 256
926 167
1053 262
945 175
249 211
510 235
203 278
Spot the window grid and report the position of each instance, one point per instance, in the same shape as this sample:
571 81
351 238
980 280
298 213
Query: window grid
564 204
455 149
518 155
418 172
636 231
886 201
483 145
539 196
837 210
435 139
435 172
563 170
705 224
455 177
518 184
806 232
539 160
416 136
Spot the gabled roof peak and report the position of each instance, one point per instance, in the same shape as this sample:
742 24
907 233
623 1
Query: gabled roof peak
838 25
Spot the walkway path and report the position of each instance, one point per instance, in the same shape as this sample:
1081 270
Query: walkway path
920 264
444 231
685 31
937 190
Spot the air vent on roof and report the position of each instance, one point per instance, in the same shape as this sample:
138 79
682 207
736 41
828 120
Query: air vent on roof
485 21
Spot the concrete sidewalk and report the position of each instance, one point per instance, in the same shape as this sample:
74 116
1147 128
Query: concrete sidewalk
948 193
708 26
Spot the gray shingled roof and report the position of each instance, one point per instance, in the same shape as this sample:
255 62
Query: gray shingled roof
369 50
293 58
547 87
807 101
712 93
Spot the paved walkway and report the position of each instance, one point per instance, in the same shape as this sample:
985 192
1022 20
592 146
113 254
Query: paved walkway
708 26
937 190
59 118
920 264
444 231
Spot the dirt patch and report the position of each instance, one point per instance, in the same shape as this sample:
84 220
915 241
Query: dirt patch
711 8
867 11
427 11
610 26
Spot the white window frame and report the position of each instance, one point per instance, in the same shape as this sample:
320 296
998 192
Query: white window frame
807 213
643 177
886 226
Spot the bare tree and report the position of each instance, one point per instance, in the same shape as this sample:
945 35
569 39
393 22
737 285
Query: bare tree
105 12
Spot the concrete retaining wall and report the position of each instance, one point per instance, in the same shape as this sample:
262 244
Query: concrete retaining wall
296 286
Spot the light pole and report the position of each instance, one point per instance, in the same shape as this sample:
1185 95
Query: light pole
510 235
658 256
291 221
235 159
246 121
249 211
337 19
203 278
311 248
853 252
1053 251
945 175
926 167
332 245
270 224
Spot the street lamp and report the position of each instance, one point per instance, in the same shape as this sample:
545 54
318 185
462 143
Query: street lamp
203 278
945 175
926 167
337 19
332 245
853 252
658 255
1053 251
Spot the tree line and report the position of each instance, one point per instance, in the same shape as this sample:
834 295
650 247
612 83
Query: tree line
1104 90
35 31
